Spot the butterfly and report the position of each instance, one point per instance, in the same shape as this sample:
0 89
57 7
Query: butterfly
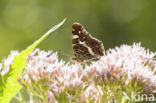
85 47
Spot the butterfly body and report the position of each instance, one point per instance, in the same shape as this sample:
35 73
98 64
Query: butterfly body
85 47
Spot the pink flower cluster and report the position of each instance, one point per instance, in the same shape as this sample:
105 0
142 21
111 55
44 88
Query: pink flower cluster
122 69
127 65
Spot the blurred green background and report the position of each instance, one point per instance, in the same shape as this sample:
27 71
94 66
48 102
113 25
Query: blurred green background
114 22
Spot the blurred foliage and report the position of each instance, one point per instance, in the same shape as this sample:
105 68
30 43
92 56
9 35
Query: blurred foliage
114 22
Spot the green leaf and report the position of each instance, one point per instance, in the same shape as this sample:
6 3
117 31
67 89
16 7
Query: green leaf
11 86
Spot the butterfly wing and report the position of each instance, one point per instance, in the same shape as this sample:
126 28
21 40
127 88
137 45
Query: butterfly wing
85 47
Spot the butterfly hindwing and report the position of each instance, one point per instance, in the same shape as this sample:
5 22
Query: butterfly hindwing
85 47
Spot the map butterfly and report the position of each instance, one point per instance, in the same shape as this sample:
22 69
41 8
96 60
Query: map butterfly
85 47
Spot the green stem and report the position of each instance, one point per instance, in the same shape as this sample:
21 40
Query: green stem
43 97
17 98
21 97
34 93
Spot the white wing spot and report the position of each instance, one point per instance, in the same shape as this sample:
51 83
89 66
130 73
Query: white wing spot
73 29
89 49
75 36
